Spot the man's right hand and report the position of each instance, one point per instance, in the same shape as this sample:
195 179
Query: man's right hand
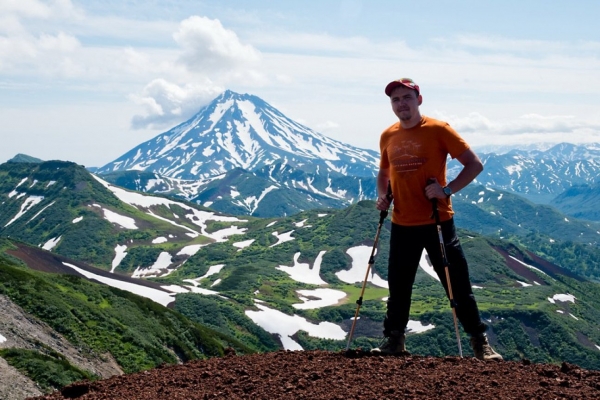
383 203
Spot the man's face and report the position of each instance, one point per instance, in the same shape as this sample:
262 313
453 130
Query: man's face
405 103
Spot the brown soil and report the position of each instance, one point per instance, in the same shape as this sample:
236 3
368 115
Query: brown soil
352 375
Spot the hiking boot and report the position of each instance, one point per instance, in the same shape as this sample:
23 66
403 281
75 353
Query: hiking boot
482 349
392 345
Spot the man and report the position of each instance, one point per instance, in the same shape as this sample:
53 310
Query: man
413 162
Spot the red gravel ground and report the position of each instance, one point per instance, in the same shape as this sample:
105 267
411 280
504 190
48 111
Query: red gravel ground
354 375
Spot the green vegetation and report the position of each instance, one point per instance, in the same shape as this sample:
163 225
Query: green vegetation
139 333
226 317
50 371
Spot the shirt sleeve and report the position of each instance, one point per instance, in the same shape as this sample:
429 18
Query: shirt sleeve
384 161
455 144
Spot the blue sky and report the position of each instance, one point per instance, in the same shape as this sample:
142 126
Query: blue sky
86 81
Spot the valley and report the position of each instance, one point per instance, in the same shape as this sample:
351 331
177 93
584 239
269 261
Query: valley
128 270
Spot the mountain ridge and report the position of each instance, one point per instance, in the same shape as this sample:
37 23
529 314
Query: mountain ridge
240 130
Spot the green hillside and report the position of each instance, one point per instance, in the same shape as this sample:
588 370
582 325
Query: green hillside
99 319
533 271
60 201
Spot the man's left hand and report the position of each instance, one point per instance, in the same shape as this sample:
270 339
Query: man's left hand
434 190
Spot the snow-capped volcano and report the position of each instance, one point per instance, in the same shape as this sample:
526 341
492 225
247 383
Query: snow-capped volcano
243 131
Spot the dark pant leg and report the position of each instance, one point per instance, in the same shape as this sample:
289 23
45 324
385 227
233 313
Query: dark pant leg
405 252
466 306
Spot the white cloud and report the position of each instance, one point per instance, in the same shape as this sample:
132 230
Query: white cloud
529 123
526 128
26 8
167 103
208 47
327 126
211 54
47 54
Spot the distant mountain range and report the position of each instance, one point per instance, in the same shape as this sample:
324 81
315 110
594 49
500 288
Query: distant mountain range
580 201
540 175
242 156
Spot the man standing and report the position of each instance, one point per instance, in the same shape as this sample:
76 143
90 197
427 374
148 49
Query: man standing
413 162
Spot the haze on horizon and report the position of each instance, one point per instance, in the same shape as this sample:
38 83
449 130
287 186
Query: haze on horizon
85 81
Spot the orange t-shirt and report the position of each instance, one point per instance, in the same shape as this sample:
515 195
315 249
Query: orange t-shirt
413 156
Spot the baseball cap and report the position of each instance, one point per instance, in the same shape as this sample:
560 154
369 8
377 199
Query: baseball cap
406 82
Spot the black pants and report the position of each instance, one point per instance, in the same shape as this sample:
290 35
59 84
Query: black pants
406 246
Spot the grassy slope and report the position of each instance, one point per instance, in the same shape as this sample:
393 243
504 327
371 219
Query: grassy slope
139 333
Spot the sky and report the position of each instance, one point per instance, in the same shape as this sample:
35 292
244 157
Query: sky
86 81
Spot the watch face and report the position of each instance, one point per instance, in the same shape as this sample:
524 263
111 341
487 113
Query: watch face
447 191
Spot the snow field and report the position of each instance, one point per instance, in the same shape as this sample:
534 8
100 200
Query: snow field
27 205
285 326
284 237
319 298
121 220
156 295
162 262
50 244
120 254
303 273
243 245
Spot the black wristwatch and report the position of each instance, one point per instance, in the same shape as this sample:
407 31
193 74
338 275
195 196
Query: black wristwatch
447 191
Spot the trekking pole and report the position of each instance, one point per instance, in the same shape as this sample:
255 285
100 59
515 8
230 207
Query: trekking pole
436 215
382 215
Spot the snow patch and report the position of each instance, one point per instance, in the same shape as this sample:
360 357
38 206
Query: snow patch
41 211
318 298
120 254
155 295
244 244
29 203
301 272
527 265
223 234
284 237
190 250
175 289
300 224
14 192
123 221
360 262
50 244
162 262
418 327
78 219
213 269
285 326
160 239
563 297
425 264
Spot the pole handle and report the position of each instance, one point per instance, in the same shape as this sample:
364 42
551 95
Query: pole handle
384 213
434 204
